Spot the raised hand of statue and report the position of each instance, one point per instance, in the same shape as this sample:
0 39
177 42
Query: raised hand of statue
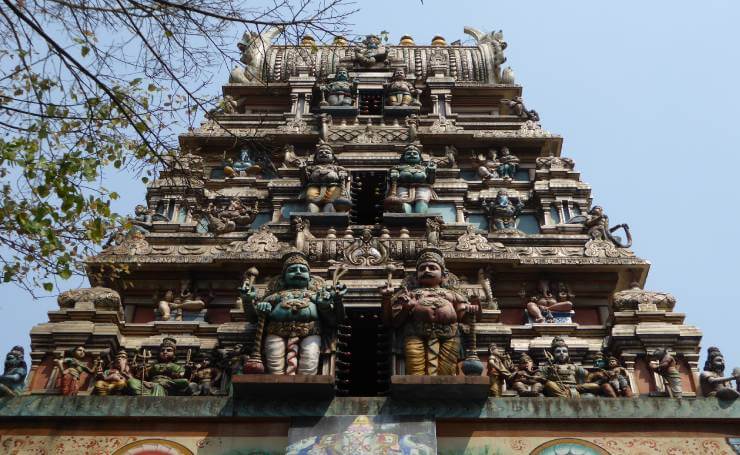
408 303
339 291
394 174
249 294
432 165
264 307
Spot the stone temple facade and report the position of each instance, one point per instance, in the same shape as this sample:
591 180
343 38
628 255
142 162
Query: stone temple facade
369 248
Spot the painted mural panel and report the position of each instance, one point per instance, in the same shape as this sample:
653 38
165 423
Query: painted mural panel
362 435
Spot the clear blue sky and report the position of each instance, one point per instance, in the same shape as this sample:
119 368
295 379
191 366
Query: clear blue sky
645 95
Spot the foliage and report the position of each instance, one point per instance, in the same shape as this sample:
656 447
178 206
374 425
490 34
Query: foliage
104 85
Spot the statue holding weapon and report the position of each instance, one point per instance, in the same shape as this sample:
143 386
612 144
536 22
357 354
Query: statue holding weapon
563 378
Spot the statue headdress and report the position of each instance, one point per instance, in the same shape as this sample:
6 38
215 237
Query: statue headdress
431 255
525 358
712 352
292 258
558 342
168 343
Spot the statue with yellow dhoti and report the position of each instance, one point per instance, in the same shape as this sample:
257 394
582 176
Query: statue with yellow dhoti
326 184
428 313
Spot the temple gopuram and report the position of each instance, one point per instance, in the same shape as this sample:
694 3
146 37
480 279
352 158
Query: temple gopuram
369 248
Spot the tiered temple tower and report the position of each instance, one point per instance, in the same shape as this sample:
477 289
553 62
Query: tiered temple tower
378 230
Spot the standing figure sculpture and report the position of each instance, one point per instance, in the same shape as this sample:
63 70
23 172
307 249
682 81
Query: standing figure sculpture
712 380
427 312
527 381
325 182
113 380
14 374
71 367
410 186
500 369
400 92
165 376
339 92
299 310
508 164
562 377
504 211
665 365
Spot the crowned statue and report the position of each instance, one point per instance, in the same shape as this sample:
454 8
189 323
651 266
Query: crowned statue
339 92
400 92
430 313
325 182
562 377
296 318
163 377
410 186
14 374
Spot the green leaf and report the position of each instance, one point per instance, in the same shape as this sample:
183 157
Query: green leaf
85 50
48 287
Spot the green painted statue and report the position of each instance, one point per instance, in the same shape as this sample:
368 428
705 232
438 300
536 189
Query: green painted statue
339 91
164 377
411 183
299 316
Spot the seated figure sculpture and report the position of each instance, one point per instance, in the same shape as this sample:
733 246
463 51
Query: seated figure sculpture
712 380
325 182
504 211
427 312
410 183
340 91
163 377
545 306
488 165
14 374
112 381
526 380
400 92
297 313
562 377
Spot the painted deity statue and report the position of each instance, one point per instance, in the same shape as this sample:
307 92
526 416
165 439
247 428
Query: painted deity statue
339 91
206 375
299 310
171 306
665 365
14 374
504 211
552 297
165 376
113 380
411 183
508 164
500 369
488 164
372 51
400 92
325 182
596 223
526 380
713 381
562 377
71 367
611 378
243 166
428 312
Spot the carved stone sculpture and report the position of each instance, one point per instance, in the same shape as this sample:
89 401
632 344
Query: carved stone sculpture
164 376
411 183
367 250
493 44
526 380
562 377
517 107
508 164
504 211
611 378
95 298
712 380
71 367
326 187
243 166
340 91
596 224
427 312
500 369
665 365
225 219
172 305
551 162
14 374
552 304
113 380
206 375
252 47
371 52
637 299
298 311
488 164
400 92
